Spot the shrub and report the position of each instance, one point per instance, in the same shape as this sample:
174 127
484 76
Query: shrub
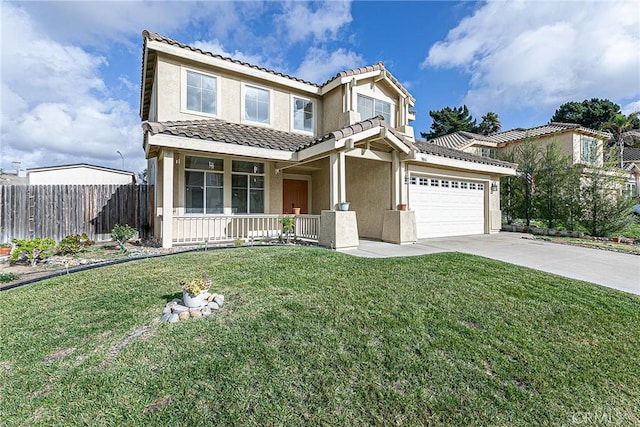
122 233
8 277
34 250
73 243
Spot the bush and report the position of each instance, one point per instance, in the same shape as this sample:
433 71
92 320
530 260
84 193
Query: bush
73 243
122 233
33 250
8 277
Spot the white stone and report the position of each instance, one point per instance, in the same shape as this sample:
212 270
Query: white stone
213 306
219 300
173 318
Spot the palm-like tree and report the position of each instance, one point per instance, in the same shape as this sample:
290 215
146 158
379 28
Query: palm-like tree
618 126
490 124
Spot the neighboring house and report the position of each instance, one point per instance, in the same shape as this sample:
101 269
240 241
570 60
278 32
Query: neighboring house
232 146
585 146
7 178
631 159
79 174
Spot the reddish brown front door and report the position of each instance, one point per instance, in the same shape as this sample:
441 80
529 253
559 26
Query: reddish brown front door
294 195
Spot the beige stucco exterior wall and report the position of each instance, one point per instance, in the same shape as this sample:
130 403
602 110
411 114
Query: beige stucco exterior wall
320 181
169 80
568 142
369 191
78 176
333 110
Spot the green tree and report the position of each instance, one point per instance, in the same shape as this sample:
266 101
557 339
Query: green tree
606 208
517 193
618 126
590 113
490 124
449 120
554 188
509 194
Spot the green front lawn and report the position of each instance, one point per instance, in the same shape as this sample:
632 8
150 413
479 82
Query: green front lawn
310 336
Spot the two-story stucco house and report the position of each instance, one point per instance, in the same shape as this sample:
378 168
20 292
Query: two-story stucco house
583 145
232 146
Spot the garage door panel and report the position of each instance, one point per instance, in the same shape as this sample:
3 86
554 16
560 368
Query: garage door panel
442 211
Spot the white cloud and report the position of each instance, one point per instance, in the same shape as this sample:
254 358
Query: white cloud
524 54
302 20
632 107
56 108
319 65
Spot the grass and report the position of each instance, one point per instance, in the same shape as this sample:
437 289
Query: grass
309 336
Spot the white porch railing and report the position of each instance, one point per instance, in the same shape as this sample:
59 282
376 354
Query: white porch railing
225 228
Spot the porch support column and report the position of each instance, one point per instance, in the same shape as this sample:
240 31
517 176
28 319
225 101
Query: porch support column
343 177
404 186
396 179
167 198
333 180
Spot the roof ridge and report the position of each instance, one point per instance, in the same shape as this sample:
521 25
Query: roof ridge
161 38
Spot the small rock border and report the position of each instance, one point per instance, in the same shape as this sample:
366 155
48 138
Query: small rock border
175 310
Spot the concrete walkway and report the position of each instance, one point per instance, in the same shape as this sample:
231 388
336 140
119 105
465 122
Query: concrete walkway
612 269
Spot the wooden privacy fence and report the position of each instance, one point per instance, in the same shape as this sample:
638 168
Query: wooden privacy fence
55 211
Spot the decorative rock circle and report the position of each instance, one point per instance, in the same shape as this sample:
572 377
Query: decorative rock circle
175 310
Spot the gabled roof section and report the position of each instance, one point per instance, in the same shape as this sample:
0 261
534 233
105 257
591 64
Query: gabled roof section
452 153
80 165
631 155
520 134
459 140
370 68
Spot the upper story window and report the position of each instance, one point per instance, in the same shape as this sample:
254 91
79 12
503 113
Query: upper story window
303 114
257 104
202 93
247 187
588 149
204 185
371 107
488 152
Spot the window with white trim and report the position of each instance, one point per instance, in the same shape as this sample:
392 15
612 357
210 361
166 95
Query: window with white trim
445 184
463 185
472 186
204 185
588 149
247 187
435 183
480 186
201 93
424 181
370 107
257 104
303 115
454 184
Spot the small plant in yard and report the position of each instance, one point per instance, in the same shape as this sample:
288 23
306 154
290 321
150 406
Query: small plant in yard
73 243
33 250
195 286
122 233
288 224
8 277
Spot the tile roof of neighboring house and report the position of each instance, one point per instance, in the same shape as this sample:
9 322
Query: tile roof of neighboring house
520 134
452 153
369 68
459 139
631 154
631 136
13 179
80 165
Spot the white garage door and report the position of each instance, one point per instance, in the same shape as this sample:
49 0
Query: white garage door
446 207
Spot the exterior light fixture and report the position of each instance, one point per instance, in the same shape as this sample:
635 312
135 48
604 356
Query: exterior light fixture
494 186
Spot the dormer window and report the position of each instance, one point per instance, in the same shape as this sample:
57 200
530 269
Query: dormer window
303 114
588 149
371 107
201 93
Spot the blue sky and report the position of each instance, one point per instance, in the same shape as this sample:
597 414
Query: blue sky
70 71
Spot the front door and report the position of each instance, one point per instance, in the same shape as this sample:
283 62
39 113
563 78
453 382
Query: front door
294 195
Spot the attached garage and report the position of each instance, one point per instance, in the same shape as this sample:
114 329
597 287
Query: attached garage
447 207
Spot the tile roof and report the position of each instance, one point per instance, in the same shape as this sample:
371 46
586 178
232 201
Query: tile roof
379 66
459 139
631 154
438 150
520 134
160 38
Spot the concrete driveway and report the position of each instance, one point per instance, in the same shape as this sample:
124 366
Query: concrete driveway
611 269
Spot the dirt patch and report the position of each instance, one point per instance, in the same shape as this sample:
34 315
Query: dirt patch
58 355
156 404
115 350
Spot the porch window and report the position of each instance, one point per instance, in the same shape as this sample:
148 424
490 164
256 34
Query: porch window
201 93
257 103
247 187
371 107
588 149
204 185
302 114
